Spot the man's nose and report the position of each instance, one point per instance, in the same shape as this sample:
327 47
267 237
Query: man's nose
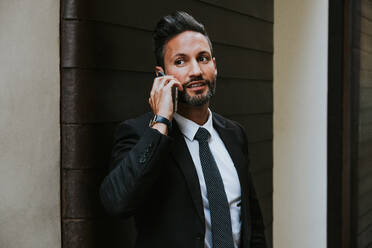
195 69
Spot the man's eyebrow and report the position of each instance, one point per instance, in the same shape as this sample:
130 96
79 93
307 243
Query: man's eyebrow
202 52
184 55
180 55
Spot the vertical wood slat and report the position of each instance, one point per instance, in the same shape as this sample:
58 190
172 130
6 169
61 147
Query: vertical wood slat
335 230
364 224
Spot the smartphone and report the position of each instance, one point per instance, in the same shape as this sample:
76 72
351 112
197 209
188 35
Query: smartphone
174 93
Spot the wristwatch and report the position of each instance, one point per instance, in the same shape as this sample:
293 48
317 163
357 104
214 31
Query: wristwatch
160 119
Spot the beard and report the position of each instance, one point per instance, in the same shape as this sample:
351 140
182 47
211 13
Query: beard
199 99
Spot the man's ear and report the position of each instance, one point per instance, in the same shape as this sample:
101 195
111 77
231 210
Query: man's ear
215 66
159 68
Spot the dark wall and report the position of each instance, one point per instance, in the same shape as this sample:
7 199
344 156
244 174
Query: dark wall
107 69
335 90
350 124
363 57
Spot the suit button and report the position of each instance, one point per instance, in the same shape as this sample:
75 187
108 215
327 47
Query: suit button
142 159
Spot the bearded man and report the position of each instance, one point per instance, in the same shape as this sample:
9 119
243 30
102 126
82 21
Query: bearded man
184 174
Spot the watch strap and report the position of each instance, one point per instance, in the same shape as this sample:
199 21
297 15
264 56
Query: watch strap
160 119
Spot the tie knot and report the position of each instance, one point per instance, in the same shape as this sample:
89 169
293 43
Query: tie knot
202 135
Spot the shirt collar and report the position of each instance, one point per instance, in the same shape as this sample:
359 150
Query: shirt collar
189 128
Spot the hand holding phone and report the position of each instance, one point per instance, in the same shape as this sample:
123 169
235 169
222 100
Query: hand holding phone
163 96
174 93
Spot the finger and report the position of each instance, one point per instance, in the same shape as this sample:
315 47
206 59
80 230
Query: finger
152 94
150 103
164 81
159 83
175 83
155 84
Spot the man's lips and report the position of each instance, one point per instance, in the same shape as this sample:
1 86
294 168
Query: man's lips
196 84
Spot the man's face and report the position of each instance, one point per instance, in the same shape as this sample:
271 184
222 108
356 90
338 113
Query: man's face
188 58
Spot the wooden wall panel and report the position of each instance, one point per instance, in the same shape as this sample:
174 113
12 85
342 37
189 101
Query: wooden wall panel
107 68
364 204
99 45
365 116
366 8
261 156
364 159
88 90
115 12
334 134
365 98
366 79
262 9
365 133
365 237
363 183
365 222
98 42
365 26
365 41
263 181
258 127
365 59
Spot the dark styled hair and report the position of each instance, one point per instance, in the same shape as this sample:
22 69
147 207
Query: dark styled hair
170 26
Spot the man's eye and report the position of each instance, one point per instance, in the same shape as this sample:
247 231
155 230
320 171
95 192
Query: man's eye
203 58
179 62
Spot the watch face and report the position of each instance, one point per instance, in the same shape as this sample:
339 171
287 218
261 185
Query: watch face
152 121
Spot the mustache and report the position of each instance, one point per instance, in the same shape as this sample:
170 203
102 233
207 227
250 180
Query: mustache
195 79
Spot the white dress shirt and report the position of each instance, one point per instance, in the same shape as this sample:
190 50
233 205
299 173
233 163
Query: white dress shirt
225 166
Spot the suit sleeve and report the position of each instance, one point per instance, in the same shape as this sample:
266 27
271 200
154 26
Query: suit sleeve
136 161
258 239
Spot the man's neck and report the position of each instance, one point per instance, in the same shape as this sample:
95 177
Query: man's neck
198 114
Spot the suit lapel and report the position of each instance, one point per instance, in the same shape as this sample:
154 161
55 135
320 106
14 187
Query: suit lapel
228 136
182 155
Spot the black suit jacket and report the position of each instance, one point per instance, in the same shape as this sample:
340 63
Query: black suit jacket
153 178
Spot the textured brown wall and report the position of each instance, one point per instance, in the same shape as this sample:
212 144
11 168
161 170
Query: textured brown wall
350 124
335 94
334 156
363 184
107 68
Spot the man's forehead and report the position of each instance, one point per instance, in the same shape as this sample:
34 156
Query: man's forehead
187 42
